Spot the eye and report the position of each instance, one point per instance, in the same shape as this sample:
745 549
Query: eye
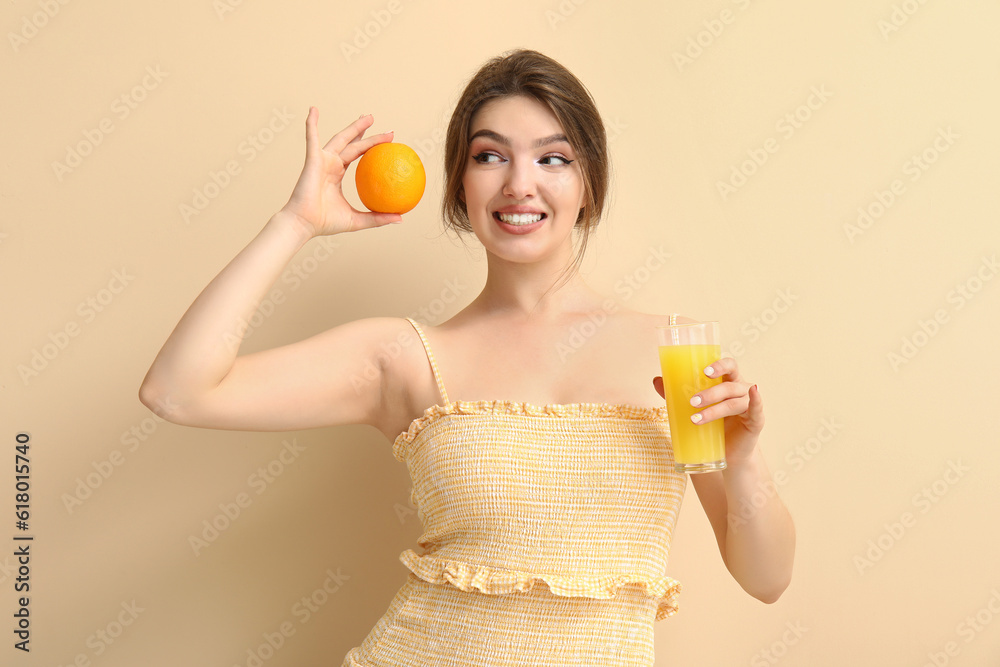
481 157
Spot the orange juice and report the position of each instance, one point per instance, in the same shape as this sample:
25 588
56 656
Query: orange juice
697 447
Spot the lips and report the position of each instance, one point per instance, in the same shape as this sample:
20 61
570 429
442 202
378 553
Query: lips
517 222
518 218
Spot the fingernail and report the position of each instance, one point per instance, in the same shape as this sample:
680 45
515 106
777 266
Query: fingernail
696 418
710 371
696 400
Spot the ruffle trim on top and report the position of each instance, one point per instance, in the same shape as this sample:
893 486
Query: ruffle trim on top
498 581
350 660
502 407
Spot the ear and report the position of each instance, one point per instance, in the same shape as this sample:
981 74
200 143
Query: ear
461 193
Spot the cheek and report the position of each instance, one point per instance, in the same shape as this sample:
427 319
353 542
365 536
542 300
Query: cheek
471 188
569 189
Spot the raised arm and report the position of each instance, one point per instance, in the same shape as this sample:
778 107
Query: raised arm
334 377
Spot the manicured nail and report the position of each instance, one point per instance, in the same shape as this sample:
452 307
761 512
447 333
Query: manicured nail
696 401
710 371
696 418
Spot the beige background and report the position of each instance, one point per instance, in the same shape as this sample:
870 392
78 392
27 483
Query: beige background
864 441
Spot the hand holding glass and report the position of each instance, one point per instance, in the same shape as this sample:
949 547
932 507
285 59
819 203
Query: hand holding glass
685 351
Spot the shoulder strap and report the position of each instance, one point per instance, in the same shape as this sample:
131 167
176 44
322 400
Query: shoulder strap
430 358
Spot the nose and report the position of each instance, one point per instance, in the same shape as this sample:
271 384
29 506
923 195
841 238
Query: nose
520 182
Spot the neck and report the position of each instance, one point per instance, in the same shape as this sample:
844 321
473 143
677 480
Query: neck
531 292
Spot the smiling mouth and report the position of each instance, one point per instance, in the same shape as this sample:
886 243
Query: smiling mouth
518 219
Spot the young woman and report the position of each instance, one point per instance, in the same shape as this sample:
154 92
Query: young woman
544 479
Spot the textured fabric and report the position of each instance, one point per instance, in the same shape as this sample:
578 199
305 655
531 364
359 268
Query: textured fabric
546 536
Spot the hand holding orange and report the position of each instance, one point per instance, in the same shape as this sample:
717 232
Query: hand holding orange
390 178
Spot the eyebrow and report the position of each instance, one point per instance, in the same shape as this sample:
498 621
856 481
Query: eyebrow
499 138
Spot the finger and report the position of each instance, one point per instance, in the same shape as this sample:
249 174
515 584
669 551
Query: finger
349 133
658 386
369 219
361 134
724 366
358 147
727 408
720 392
312 143
753 417
755 410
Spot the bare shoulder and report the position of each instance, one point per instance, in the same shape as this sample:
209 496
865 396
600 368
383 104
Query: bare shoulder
408 384
397 361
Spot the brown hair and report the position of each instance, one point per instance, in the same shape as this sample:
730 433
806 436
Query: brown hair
535 75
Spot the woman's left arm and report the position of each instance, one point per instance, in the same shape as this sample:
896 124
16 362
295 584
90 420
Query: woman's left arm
753 527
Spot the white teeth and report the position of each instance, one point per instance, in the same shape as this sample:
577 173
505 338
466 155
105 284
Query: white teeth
524 219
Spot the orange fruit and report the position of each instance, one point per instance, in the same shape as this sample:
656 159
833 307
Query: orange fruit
390 178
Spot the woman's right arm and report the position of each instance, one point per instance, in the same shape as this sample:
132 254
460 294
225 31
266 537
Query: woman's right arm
332 378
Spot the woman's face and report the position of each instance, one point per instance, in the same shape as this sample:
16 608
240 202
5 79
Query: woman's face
519 163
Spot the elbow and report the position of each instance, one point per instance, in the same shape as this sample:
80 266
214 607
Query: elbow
770 592
160 403
765 584
770 595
